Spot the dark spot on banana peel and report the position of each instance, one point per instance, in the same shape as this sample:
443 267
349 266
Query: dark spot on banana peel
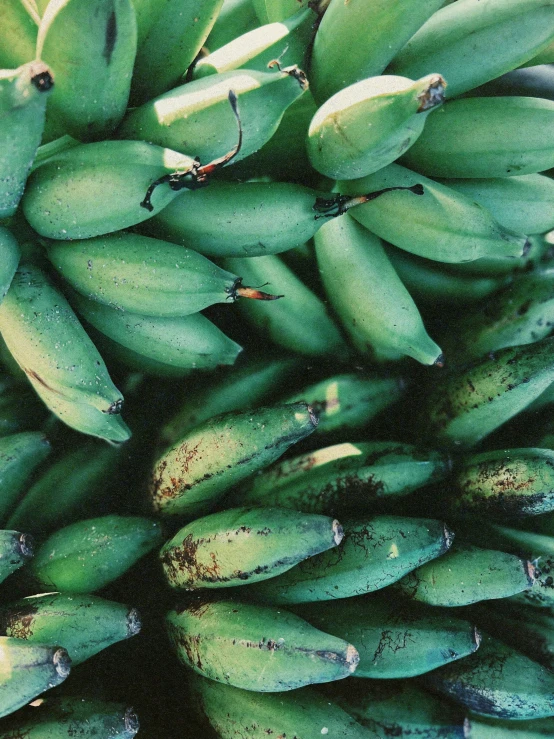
41 77
110 38
34 376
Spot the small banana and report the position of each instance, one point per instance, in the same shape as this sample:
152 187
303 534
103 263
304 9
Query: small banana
10 254
15 551
19 455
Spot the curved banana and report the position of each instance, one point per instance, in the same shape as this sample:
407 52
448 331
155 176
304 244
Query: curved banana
275 11
19 455
10 254
235 18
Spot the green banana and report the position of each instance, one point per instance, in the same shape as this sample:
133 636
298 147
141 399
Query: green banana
357 39
275 11
497 681
169 45
544 57
541 594
18 33
467 575
491 729
345 477
469 404
256 647
187 342
87 555
19 455
374 553
23 95
75 37
51 619
28 670
367 125
10 254
486 137
383 321
241 546
135 273
196 118
20 409
15 550
299 322
189 478
471 42
235 18
257 48
36 322
442 224
536 82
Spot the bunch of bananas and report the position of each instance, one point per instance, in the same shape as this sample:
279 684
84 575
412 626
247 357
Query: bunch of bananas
370 182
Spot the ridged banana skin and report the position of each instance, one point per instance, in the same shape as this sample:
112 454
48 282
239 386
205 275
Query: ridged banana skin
305 714
235 18
299 321
240 219
467 575
87 555
374 553
486 137
18 35
37 323
394 639
23 95
367 125
196 118
345 477
194 473
95 189
521 203
19 455
51 618
383 321
441 224
15 550
358 39
29 670
471 43
170 45
259 648
10 254
242 546
135 273
187 342
75 37
497 681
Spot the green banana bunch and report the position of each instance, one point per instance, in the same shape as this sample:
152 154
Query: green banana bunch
374 553
442 224
10 254
197 119
357 39
472 43
275 11
51 618
257 48
74 38
15 550
28 670
20 408
187 342
383 321
345 477
87 555
486 137
37 323
235 18
170 40
469 404
300 322
241 546
193 474
254 647
367 125
23 95
497 681
466 575
18 33
135 273
19 455
304 713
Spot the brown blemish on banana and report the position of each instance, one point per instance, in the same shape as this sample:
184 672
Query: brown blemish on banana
110 38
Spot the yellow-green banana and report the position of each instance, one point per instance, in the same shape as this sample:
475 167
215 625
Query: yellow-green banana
235 18
18 33
274 11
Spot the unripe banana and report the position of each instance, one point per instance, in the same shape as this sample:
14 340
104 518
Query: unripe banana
486 137
88 555
254 647
15 550
37 324
18 33
274 11
52 618
441 224
9 259
91 49
19 455
241 546
194 473
471 43
383 321
369 124
23 95
536 82
235 18
374 553
358 39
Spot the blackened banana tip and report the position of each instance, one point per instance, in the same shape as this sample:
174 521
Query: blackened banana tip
338 532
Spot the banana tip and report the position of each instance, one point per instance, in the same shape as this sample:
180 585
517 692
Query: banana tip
338 532
477 638
62 662
530 571
26 545
131 720
352 657
448 537
134 622
314 418
41 77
